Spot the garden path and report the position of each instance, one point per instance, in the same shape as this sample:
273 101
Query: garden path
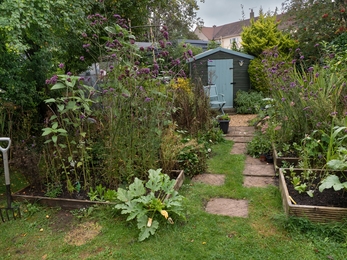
256 173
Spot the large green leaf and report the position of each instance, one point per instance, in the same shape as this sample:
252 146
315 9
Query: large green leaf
58 85
337 165
332 181
136 189
155 180
145 230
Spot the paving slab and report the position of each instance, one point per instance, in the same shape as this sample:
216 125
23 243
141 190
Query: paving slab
210 179
251 181
241 130
252 160
239 139
265 170
239 148
227 207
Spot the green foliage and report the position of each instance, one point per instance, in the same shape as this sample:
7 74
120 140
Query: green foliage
303 98
144 201
315 21
249 102
332 181
212 45
193 157
263 34
260 144
259 80
68 149
102 194
54 190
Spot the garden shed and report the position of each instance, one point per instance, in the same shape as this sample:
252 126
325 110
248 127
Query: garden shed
227 69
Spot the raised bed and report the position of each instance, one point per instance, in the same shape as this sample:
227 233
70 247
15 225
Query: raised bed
281 161
313 213
76 203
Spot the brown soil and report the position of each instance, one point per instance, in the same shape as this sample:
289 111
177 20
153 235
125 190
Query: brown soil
241 120
83 233
327 198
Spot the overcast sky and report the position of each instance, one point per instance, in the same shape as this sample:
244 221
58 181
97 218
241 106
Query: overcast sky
219 12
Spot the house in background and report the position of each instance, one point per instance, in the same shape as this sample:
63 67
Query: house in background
227 35
227 69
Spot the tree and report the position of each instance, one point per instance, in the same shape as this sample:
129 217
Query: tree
314 21
264 34
147 17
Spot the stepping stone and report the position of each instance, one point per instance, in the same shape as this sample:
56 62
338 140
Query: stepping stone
239 139
259 170
251 160
242 130
251 181
227 207
239 148
210 179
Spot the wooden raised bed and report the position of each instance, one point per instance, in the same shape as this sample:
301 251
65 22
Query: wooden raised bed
280 161
313 213
75 203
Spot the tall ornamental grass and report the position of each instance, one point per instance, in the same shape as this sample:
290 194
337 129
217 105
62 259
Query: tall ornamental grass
304 99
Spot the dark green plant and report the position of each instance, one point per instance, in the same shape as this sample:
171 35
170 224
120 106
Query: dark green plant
259 80
193 158
54 190
260 144
101 193
145 201
249 102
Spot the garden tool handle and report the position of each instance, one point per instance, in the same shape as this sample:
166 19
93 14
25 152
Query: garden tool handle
5 158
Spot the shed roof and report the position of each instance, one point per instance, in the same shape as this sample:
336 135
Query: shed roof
220 49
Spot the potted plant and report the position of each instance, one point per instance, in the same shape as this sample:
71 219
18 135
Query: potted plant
223 121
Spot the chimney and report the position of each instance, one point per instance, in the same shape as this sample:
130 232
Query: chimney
213 32
251 14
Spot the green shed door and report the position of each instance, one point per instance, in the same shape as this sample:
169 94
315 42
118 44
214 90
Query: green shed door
220 72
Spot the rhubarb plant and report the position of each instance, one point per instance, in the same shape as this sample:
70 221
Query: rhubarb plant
145 201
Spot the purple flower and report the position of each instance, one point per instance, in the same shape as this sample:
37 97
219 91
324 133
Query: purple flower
310 69
166 35
317 75
82 58
69 73
61 65
125 95
147 99
84 35
316 45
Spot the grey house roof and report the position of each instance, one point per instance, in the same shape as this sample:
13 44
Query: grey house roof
212 51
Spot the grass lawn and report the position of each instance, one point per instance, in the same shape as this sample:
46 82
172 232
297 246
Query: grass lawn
44 233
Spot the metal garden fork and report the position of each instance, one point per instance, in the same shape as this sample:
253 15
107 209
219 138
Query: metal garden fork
9 210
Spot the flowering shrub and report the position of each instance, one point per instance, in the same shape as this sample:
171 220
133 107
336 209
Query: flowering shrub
305 99
112 131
